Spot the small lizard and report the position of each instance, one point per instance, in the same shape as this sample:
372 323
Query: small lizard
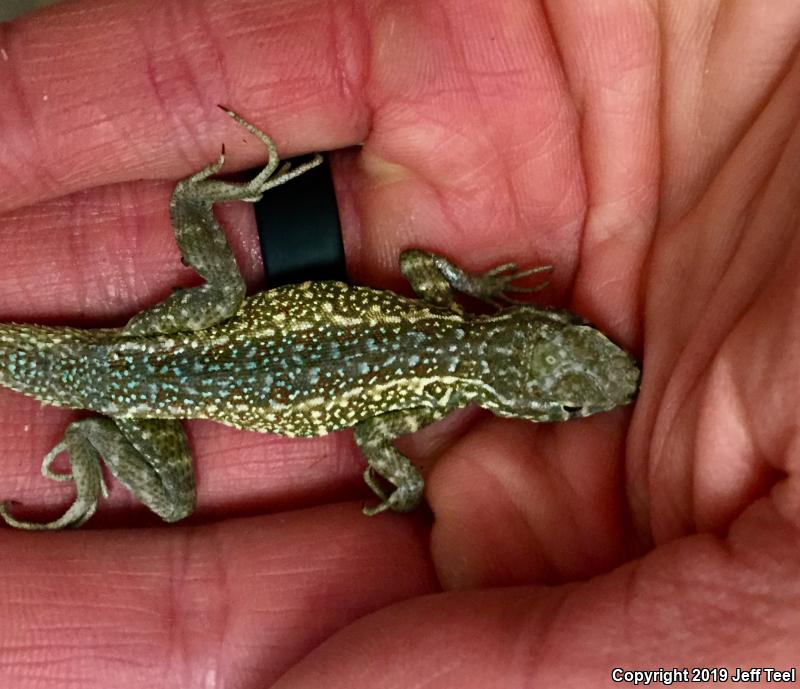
299 360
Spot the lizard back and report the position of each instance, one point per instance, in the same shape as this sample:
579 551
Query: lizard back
297 360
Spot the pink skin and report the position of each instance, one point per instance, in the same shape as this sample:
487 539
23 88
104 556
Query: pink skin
648 150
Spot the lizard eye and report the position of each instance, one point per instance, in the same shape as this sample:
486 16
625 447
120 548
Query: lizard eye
570 409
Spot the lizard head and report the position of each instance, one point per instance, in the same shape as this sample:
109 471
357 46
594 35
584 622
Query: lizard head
569 369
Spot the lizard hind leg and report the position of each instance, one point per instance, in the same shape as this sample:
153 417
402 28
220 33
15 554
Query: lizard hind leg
150 456
84 471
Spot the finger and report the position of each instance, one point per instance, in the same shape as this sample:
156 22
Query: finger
109 134
680 606
518 503
98 257
68 125
732 102
476 159
612 60
233 604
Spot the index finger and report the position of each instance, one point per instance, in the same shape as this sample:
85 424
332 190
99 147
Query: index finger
136 84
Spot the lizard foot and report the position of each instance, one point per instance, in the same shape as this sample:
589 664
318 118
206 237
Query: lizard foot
88 482
405 498
497 285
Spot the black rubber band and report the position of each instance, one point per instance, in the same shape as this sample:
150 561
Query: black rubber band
299 230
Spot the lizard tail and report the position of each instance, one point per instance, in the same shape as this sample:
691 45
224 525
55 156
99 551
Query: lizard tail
54 365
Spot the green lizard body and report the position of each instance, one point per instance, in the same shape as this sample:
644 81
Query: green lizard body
299 360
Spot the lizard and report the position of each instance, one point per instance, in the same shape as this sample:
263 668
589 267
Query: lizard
299 360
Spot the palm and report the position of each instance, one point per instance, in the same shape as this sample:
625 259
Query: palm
663 199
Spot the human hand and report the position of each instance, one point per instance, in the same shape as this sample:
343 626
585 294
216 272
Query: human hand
589 137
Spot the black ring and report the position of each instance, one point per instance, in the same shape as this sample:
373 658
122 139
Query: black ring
299 230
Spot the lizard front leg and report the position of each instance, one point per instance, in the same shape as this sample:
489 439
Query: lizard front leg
204 246
150 456
435 280
375 438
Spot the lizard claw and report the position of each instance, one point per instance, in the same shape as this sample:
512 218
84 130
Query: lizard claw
497 285
372 511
